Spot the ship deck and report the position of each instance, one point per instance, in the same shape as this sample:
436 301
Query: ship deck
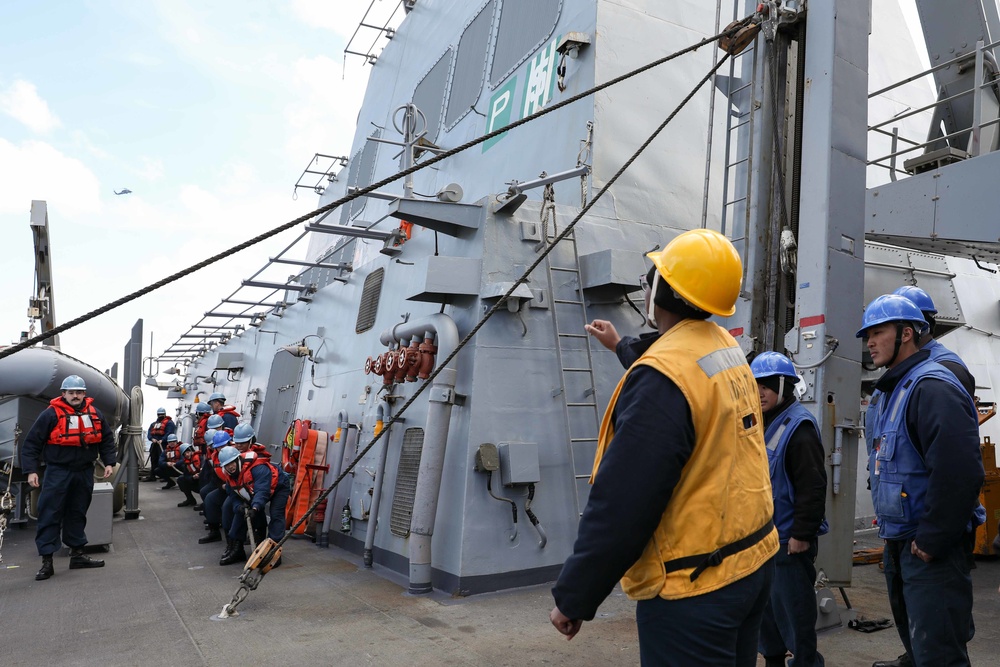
155 601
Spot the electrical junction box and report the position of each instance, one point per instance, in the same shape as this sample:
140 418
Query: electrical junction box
518 463
439 279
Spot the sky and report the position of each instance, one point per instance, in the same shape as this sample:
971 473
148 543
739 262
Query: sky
207 112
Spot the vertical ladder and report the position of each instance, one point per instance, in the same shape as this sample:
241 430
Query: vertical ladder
739 148
576 369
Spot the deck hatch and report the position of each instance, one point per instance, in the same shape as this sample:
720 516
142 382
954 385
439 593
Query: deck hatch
369 301
406 481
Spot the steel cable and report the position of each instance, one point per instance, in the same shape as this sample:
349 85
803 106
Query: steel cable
475 329
6 352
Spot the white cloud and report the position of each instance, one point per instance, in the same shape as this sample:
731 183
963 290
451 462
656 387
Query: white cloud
152 169
34 169
328 15
21 101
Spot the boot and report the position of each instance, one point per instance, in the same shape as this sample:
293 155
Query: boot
169 485
199 507
150 478
47 569
213 536
78 560
902 661
236 555
227 552
187 503
774 661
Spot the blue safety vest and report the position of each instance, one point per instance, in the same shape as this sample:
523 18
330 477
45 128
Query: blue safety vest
777 437
896 469
940 353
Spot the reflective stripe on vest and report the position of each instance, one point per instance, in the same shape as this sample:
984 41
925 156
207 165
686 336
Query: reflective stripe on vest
778 435
75 428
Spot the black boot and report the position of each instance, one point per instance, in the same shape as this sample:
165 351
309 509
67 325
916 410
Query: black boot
213 536
78 560
902 661
47 569
187 503
199 507
229 550
236 555
774 661
169 485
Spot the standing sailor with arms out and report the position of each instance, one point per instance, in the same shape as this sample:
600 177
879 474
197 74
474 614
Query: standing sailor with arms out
68 435
682 440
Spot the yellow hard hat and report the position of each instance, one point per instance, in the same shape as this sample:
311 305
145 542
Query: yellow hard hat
703 267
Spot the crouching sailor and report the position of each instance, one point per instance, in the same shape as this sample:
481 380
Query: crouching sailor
69 435
255 481
190 469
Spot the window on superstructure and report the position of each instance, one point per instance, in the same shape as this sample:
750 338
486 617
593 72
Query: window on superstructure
429 95
470 66
524 26
370 294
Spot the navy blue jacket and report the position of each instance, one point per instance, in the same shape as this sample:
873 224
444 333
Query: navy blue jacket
36 448
654 438
944 428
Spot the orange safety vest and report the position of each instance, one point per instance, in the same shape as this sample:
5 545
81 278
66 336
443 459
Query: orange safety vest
172 451
75 428
158 429
199 431
228 409
243 482
191 465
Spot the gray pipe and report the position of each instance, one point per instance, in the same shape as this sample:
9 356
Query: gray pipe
336 462
368 556
442 394
186 433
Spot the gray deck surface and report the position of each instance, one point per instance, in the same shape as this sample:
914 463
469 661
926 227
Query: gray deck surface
154 601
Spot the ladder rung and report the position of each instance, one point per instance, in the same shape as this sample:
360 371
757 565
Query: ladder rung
735 201
568 335
743 87
583 439
581 405
562 268
733 164
582 476
567 301
576 370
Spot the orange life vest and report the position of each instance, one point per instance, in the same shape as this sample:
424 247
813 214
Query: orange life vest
191 466
75 428
172 451
242 483
228 409
199 431
159 429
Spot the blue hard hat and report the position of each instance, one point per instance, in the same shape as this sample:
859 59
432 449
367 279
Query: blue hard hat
217 397
891 308
228 455
243 432
215 421
172 437
772 364
185 447
221 439
919 297
202 408
210 436
73 382
160 411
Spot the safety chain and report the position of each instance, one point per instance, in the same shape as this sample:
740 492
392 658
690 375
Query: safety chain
546 211
729 31
230 609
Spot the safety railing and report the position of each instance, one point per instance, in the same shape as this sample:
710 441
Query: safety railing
982 55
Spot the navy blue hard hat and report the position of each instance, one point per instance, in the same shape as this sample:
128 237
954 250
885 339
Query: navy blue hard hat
891 308
772 364
920 298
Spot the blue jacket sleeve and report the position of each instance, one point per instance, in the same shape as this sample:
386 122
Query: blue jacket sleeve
170 428
35 440
261 486
108 447
654 438
945 428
